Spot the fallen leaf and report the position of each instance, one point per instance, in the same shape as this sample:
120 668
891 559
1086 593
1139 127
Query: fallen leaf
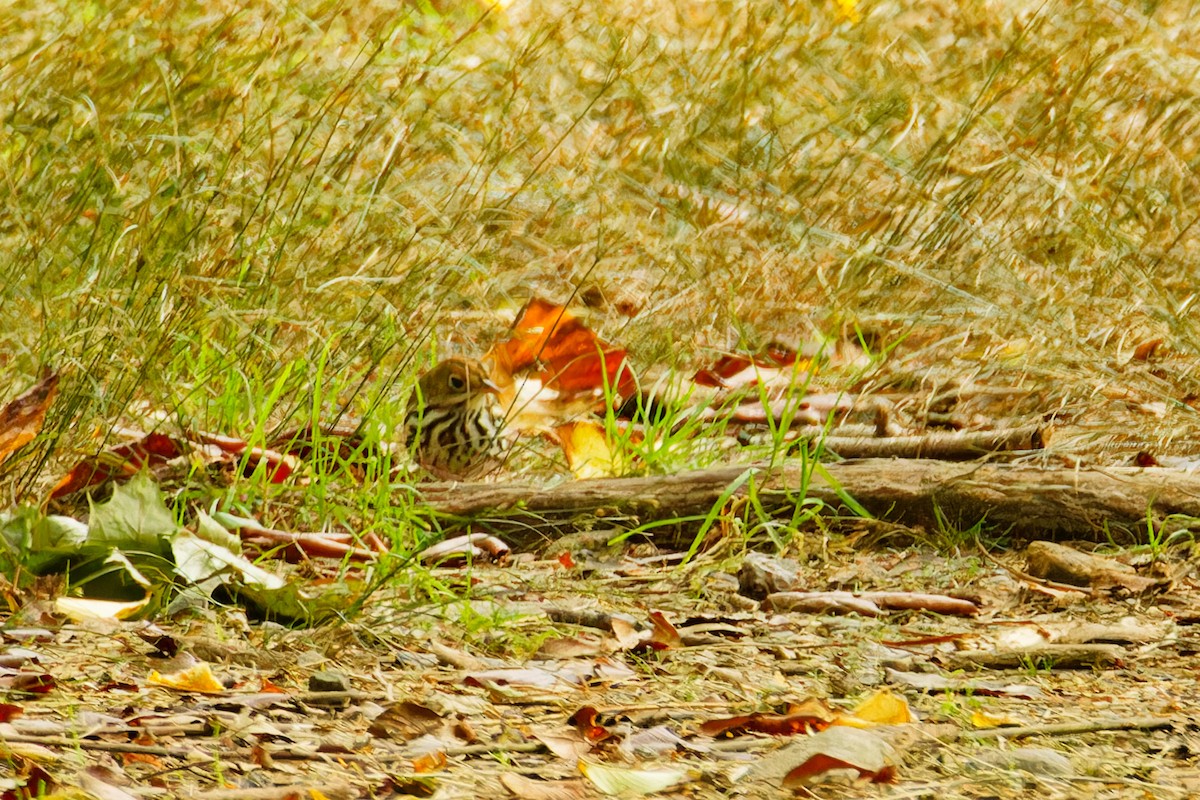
664 636
983 719
22 418
588 451
530 789
1147 350
733 370
194 679
630 782
806 717
864 751
881 708
78 609
570 358
122 461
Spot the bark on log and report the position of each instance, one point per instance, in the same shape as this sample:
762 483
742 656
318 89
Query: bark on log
1024 501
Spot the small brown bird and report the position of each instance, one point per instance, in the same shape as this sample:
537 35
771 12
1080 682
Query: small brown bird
454 420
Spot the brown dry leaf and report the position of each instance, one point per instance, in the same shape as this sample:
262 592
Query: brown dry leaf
568 743
588 722
464 549
406 720
156 449
806 717
626 633
22 418
28 682
577 646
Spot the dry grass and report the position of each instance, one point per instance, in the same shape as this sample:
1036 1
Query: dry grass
209 200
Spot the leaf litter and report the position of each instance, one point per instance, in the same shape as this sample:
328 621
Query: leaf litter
466 638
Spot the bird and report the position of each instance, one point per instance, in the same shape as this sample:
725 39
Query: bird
453 421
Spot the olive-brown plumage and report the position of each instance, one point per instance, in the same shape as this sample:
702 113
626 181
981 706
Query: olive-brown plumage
453 420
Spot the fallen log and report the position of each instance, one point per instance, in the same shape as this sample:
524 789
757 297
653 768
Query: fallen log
1026 502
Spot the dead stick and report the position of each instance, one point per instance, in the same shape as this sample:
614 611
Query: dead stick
940 445
1071 728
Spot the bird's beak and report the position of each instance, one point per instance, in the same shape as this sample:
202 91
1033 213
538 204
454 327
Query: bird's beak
489 387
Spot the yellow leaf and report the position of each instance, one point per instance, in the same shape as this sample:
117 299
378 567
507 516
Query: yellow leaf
587 450
983 719
195 679
881 708
848 9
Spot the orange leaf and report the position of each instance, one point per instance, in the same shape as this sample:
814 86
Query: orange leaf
587 721
433 761
822 762
22 418
1147 350
664 636
569 357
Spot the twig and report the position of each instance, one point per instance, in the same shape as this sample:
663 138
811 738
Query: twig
1071 728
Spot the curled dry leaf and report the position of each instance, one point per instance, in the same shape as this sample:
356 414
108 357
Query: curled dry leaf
630 782
663 636
79 609
593 726
806 717
155 449
472 546
1148 349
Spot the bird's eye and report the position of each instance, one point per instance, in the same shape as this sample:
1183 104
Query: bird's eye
457 383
